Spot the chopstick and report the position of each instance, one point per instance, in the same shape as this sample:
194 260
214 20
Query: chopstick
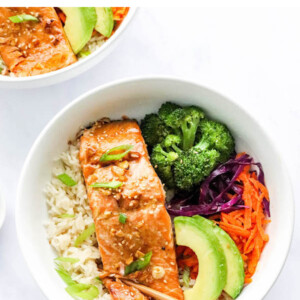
148 291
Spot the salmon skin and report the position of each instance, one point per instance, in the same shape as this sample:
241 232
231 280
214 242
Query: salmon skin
32 48
121 291
141 198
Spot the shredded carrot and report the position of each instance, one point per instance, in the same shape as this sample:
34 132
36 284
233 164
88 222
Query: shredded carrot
234 229
62 16
245 226
215 217
248 280
187 258
120 13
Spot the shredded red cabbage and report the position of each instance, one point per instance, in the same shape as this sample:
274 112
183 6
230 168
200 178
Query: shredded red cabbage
212 197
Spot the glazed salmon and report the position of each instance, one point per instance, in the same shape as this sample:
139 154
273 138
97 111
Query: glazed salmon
120 291
32 48
141 198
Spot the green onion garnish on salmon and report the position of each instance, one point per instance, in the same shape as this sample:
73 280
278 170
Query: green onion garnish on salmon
122 218
22 18
139 264
108 156
107 185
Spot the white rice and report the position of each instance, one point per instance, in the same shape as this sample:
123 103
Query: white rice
94 44
62 233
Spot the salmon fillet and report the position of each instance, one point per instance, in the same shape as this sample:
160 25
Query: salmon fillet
121 291
32 48
141 197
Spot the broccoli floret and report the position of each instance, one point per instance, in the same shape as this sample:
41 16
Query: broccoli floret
184 122
185 146
163 160
192 167
171 143
215 135
153 129
215 146
163 157
166 109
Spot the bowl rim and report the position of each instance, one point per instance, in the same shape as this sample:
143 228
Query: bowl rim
109 43
2 209
129 80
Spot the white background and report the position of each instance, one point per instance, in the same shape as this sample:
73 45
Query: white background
249 54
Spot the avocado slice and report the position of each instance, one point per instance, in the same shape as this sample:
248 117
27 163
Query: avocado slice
105 21
79 25
200 237
234 261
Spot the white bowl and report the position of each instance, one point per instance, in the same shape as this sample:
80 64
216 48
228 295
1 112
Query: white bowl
73 70
135 98
2 210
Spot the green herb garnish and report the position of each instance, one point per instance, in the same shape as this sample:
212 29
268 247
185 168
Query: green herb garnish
186 276
107 156
75 289
107 185
67 259
84 235
66 179
64 275
98 280
122 218
84 53
23 18
66 216
83 291
139 264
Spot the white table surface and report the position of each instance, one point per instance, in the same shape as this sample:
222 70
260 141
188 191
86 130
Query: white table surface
251 55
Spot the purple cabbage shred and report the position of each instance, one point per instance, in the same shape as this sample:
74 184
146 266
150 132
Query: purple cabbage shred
212 196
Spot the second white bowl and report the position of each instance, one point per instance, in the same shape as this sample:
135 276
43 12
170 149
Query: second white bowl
73 70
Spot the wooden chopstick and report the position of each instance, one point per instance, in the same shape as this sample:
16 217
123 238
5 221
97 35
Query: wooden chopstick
148 291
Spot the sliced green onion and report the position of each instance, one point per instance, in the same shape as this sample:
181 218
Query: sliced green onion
66 216
84 53
75 289
186 276
139 264
66 179
90 294
23 18
122 218
84 235
107 185
109 157
67 259
98 280
64 275
83 291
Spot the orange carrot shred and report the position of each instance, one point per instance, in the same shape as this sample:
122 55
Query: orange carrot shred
62 17
245 226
